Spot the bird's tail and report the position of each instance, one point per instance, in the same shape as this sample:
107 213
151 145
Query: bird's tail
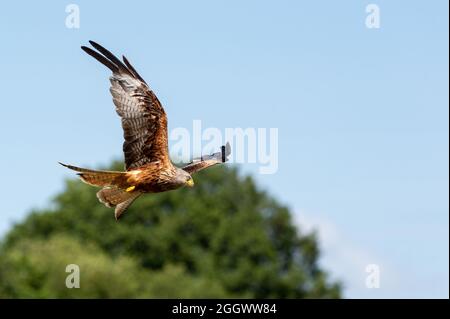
100 178
118 198
116 192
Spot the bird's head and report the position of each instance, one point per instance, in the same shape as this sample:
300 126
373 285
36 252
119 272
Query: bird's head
184 178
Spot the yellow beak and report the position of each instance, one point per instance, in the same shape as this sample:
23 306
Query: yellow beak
190 182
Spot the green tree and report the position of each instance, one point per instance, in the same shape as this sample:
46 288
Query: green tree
223 238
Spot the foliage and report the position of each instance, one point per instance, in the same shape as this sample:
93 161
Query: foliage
222 238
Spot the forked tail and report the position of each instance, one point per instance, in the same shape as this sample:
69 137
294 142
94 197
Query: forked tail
116 190
100 178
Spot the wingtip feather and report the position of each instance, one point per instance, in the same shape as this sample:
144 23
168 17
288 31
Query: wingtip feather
62 164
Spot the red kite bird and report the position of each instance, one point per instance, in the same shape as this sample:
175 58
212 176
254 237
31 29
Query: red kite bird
148 168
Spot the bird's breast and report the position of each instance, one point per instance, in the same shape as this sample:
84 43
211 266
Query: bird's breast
152 180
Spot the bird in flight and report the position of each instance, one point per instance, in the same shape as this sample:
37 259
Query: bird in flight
148 168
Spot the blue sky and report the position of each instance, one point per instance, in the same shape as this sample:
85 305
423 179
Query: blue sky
362 113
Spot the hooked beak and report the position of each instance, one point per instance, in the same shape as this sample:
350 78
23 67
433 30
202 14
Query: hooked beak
190 182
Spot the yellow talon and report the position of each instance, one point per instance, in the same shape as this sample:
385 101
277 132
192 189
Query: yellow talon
130 189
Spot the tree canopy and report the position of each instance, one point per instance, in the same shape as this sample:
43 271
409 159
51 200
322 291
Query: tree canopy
223 238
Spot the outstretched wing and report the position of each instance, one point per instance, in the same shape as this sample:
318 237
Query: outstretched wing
208 160
144 121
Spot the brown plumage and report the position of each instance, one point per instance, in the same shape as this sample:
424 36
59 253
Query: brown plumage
148 168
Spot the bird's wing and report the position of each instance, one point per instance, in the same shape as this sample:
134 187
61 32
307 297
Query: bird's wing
144 121
208 160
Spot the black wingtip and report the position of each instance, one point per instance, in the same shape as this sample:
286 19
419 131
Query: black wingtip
62 164
111 61
132 69
119 64
223 154
103 60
